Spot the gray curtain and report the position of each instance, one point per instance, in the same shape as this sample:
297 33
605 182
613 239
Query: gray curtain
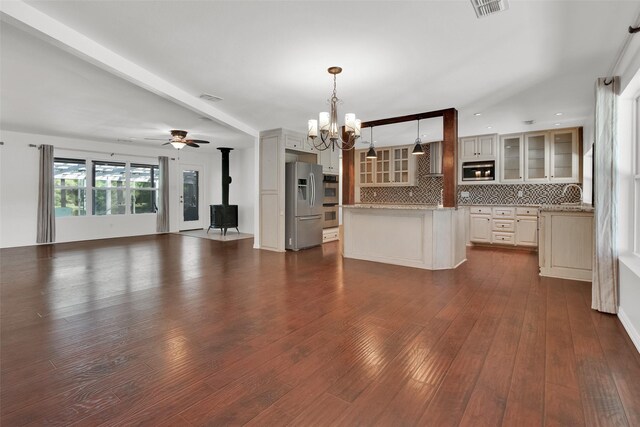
604 294
162 225
46 203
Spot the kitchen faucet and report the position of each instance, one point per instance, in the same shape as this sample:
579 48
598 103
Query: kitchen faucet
566 187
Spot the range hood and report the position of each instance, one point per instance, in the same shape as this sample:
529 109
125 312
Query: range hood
435 161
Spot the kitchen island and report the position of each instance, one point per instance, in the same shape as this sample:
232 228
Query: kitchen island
420 236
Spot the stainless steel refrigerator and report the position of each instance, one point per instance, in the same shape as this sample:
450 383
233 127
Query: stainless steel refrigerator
303 200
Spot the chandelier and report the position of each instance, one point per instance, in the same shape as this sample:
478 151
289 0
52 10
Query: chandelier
327 124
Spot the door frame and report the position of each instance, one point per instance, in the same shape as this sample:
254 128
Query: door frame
190 225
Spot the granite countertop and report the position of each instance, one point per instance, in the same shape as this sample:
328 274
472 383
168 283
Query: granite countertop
390 206
566 208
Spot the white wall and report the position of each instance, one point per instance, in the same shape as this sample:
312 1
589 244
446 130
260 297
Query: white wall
19 188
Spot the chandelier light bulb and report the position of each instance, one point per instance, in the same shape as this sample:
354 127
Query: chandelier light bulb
313 128
323 121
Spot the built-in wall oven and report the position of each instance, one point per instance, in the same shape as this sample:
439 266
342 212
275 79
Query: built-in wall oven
330 201
479 171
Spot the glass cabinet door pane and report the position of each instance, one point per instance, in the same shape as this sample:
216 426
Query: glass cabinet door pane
562 155
535 157
511 158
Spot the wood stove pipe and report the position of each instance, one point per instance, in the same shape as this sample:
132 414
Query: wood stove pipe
226 179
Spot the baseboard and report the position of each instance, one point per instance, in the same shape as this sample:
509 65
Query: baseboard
628 326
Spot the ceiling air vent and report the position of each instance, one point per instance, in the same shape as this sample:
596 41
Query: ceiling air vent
489 7
529 122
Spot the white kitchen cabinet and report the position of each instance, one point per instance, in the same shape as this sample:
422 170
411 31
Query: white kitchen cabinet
480 225
550 157
330 161
536 154
526 226
566 245
563 156
479 147
394 166
504 225
511 158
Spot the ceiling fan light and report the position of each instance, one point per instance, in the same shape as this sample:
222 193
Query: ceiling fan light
178 145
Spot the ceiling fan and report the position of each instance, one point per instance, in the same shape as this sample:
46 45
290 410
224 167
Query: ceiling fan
179 140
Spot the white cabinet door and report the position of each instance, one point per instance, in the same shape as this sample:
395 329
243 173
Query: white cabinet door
330 162
294 142
535 157
383 166
365 169
480 229
511 158
401 165
486 146
563 156
527 231
468 148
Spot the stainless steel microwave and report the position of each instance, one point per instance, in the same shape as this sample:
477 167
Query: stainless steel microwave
479 171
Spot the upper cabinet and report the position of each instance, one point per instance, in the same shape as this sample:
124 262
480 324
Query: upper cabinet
536 157
551 156
393 166
511 158
330 161
564 156
480 147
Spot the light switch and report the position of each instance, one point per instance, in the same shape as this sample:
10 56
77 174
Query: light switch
465 194
519 193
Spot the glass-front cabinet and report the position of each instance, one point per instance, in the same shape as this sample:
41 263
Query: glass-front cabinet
535 157
401 165
511 159
564 157
383 166
393 166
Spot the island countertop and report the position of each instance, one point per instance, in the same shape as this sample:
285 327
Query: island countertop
390 206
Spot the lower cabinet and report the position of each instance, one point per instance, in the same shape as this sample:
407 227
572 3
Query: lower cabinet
480 228
504 225
566 245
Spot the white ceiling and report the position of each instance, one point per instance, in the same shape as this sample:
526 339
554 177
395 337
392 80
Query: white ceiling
268 60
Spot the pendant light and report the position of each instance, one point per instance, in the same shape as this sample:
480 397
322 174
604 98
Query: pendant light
417 149
371 154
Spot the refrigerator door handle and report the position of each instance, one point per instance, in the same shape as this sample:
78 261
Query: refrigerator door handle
309 218
313 189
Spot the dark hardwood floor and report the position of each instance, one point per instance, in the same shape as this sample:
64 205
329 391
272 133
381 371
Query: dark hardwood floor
173 330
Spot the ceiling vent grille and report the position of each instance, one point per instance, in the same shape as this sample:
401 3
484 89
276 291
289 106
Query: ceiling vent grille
489 7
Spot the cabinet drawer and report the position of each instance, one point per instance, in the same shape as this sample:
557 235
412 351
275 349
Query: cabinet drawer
500 237
480 210
504 212
526 211
503 225
329 236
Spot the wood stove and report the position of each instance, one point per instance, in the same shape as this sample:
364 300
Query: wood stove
224 216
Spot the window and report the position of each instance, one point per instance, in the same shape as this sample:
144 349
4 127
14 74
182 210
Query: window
116 188
70 180
109 188
143 182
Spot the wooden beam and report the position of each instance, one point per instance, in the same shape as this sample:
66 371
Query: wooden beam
348 174
408 118
449 158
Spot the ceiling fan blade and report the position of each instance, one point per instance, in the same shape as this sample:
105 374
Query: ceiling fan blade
155 139
166 143
198 141
192 144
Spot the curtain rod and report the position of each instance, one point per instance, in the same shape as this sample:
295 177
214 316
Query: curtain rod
102 152
631 31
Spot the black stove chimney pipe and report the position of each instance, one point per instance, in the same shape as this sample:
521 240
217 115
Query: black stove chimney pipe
226 179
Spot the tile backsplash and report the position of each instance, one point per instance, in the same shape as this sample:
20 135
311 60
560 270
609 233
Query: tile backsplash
428 191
